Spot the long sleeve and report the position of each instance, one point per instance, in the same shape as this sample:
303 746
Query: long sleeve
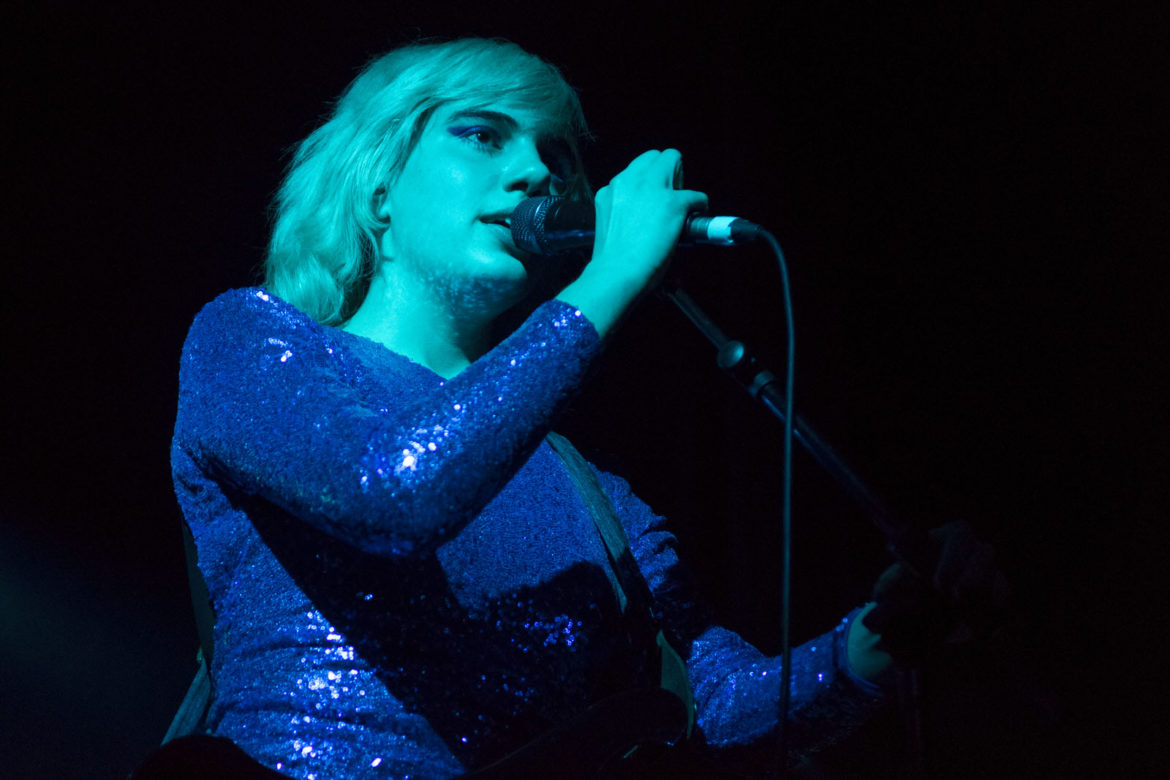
272 404
737 687
361 522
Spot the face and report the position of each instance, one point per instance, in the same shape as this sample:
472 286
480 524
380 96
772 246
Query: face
450 207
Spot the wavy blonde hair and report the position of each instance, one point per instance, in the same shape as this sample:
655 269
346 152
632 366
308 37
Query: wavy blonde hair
325 227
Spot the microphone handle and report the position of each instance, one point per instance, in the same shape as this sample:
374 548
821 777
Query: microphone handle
552 226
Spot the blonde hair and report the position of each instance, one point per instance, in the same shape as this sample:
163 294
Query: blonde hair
325 227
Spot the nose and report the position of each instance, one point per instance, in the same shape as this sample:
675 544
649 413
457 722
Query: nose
527 172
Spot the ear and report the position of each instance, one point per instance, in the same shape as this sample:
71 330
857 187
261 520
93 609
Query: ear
381 205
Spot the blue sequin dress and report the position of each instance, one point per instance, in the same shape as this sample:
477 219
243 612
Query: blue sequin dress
406 582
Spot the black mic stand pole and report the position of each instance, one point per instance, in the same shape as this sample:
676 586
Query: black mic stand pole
902 541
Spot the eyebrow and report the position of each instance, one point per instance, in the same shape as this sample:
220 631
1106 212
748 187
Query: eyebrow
492 116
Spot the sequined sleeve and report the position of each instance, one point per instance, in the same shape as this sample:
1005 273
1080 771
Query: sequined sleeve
269 404
737 687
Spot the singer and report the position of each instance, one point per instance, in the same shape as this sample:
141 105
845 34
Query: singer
405 577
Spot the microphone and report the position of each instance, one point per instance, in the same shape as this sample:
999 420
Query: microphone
552 226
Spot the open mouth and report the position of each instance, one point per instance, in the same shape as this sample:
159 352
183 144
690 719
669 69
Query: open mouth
505 235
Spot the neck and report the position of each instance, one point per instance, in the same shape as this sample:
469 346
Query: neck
415 322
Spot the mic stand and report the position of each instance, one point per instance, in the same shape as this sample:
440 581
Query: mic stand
902 541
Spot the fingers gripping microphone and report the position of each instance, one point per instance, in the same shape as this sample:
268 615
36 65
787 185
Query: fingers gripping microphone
552 226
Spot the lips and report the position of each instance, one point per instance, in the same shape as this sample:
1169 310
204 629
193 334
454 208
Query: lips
506 221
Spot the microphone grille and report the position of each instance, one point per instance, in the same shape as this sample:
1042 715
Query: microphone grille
528 225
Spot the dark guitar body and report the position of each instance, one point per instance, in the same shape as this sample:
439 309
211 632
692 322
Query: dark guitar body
588 747
592 744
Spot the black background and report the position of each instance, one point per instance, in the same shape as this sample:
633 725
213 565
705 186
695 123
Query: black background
969 196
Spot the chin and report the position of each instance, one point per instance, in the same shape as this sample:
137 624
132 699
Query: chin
491 294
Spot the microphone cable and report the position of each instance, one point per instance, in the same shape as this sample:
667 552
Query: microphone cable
785 509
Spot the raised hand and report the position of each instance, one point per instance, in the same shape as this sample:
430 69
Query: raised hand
640 215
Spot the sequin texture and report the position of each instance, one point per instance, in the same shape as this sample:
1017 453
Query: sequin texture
405 580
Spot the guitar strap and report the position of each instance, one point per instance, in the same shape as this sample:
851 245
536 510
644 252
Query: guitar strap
633 594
